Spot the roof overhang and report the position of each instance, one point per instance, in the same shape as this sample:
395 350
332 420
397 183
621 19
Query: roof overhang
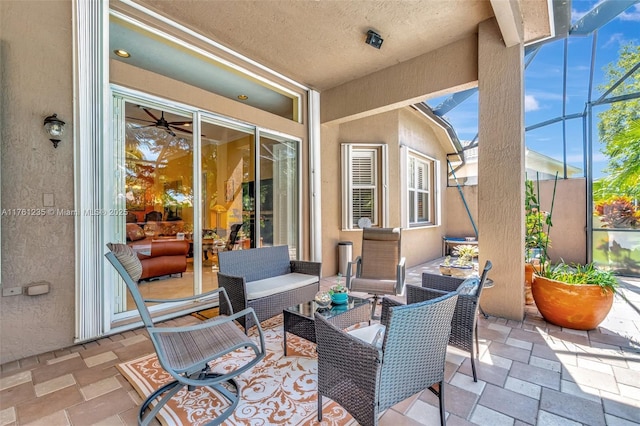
443 130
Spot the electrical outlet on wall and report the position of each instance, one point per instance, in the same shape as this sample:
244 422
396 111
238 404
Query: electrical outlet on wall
47 200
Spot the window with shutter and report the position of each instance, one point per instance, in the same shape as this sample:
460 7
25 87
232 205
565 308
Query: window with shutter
421 190
363 186
362 169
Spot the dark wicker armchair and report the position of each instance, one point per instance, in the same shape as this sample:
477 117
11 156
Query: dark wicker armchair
464 326
185 352
366 379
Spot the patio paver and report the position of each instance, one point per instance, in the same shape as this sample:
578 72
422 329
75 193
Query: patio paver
530 372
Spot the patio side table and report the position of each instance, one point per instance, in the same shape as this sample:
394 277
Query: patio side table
299 319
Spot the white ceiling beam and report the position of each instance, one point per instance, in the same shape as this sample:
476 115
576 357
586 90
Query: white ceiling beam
509 19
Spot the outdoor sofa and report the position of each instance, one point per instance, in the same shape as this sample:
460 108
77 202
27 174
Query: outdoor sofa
266 280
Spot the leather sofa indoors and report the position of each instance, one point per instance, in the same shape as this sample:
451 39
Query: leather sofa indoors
166 257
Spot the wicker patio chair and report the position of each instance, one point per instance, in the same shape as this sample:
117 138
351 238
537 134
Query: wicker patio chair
464 326
366 379
185 352
379 269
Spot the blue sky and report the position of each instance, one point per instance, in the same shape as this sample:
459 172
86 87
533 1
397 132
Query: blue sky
543 87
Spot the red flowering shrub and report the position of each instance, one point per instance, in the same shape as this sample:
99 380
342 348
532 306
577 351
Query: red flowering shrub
618 212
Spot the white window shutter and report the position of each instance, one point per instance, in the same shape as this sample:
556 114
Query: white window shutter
361 184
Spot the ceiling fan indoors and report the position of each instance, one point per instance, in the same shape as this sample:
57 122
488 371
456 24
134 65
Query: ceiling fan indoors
162 123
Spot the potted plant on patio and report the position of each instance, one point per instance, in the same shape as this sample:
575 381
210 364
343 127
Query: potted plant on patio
462 266
574 296
570 296
536 239
339 293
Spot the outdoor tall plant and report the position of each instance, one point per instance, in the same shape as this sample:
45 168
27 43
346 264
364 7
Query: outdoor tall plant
571 296
538 224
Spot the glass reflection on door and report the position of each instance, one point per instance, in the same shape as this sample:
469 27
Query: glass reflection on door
278 213
159 199
227 164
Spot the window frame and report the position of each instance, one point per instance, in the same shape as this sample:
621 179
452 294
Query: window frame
432 166
379 153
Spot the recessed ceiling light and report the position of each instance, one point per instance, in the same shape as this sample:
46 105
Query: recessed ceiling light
243 97
122 53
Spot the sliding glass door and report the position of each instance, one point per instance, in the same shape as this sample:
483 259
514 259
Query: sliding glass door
156 146
227 161
278 206
193 184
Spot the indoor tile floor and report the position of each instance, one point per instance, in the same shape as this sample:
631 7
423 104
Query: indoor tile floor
530 372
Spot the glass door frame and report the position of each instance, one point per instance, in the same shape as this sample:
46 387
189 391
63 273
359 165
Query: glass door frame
114 227
114 184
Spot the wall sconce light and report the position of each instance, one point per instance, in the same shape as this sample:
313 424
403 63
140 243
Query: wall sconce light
374 39
54 127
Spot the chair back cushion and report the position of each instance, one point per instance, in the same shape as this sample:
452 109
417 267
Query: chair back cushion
255 264
469 287
128 258
380 253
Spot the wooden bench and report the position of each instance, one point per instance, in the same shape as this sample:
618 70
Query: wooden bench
266 280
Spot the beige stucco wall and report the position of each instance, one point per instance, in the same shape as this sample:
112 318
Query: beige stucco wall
36 82
395 128
456 218
448 69
568 233
381 128
425 243
501 170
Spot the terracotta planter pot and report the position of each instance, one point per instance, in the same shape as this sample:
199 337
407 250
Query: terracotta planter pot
530 268
580 307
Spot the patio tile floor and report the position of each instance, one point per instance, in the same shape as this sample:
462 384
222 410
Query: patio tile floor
529 373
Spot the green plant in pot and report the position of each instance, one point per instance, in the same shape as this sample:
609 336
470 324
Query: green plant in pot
536 239
462 266
571 296
574 296
339 293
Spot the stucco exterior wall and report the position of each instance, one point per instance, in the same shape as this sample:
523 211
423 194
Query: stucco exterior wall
149 82
456 218
36 82
400 127
381 128
425 243
501 171
568 234
445 70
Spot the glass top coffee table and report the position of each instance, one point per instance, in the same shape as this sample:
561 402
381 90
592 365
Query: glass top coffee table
299 319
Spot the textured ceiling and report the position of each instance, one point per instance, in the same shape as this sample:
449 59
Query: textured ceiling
322 43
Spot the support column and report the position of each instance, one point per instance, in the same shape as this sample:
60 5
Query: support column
501 170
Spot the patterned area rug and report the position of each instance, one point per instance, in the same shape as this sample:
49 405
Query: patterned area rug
278 391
